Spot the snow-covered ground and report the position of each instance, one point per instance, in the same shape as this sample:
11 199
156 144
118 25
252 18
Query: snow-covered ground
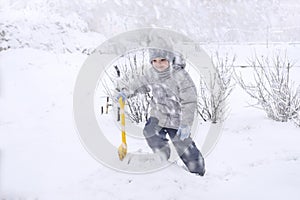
43 44
41 156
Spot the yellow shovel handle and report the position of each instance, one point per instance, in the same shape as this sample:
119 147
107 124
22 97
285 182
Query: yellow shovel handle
122 113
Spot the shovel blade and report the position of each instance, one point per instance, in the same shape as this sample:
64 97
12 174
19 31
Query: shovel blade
122 151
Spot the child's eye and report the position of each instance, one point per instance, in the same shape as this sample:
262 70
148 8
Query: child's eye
162 60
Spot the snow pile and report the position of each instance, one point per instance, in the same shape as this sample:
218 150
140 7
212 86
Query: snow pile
37 26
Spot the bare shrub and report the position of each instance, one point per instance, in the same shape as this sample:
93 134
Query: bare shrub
213 94
272 88
128 69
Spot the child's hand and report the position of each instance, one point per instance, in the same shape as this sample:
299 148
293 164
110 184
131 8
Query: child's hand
121 94
184 132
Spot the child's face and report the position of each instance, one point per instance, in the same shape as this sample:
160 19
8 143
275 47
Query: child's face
160 64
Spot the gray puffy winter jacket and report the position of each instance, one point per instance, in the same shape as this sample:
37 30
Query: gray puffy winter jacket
174 93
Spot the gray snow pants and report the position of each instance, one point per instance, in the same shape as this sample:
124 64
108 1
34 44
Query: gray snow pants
186 149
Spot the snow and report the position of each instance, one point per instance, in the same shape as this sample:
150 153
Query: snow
41 155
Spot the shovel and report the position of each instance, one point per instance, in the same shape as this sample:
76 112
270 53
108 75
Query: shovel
122 150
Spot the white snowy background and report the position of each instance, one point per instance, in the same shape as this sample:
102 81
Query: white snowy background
43 45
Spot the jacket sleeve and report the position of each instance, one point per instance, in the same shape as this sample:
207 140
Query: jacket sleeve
188 98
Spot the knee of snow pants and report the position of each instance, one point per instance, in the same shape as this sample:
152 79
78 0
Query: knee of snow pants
156 138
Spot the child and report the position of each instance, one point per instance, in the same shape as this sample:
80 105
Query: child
172 108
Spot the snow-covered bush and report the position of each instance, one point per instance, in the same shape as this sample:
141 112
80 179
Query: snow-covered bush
214 93
40 27
296 119
272 88
3 40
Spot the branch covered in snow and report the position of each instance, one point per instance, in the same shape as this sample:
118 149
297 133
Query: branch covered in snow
129 68
213 95
272 88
